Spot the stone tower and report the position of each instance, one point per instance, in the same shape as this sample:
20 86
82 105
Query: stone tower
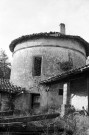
40 56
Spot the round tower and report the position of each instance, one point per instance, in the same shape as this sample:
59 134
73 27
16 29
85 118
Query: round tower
40 56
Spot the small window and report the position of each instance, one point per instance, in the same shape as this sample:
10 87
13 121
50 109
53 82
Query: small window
37 66
35 100
61 92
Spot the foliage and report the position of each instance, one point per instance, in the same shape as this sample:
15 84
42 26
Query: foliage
70 124
67 65
4 65
82 125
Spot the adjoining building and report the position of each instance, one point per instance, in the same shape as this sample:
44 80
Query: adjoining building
75 83
7 94
38 57
7 91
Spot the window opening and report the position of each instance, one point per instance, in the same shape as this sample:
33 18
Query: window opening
61 92
35 100
37 66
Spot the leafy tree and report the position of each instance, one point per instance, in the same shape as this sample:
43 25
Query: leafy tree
4 65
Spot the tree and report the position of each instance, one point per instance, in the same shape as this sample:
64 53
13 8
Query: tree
4 65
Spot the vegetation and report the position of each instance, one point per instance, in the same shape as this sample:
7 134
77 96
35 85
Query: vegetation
70 124
67 65
4 65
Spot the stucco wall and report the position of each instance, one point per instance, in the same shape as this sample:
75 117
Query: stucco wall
78 87
53 53
52 42
50 100
22 103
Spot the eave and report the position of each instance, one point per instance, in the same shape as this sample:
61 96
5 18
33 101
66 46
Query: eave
55 35
64 77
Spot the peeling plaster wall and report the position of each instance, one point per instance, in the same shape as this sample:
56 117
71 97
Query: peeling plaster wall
78 87
53 51
51 100
22 103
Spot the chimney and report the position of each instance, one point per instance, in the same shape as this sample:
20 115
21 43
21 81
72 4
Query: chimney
62 28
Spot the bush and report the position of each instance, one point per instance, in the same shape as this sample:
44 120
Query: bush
68 125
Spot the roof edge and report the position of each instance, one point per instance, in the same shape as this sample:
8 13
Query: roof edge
65 74
48 35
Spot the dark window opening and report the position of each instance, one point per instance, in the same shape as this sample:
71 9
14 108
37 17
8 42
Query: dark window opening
37 66
60 91
35 100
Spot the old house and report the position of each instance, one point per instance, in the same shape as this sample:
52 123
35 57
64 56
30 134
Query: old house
4 91
7 90
7 94
38 57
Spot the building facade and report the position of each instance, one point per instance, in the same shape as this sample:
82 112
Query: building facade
41 56
77 86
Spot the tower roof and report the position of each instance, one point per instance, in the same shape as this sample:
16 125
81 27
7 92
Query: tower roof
55 35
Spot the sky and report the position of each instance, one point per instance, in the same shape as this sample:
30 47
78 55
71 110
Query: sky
78 102
22 17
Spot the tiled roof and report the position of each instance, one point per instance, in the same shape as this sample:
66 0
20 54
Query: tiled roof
66 74
49 35
6 86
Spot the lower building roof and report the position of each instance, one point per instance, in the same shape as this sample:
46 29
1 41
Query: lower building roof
65 75
6 86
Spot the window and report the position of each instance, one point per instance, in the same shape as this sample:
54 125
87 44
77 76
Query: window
35 100
37 66
61 92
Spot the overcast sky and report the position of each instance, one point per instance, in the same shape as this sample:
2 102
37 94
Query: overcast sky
22 17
